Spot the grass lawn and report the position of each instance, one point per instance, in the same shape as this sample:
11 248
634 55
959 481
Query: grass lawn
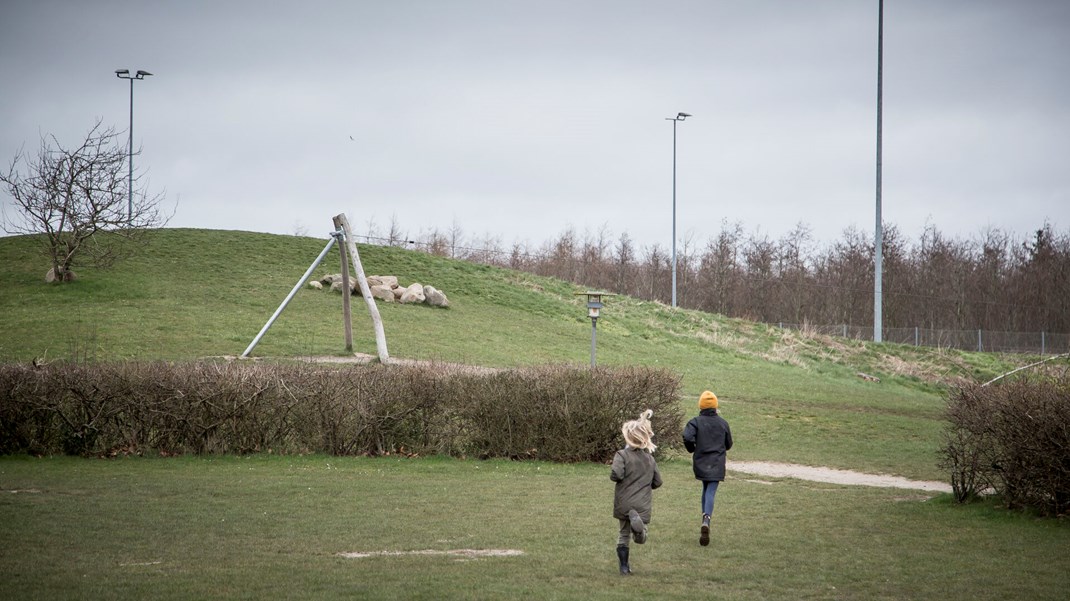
268 527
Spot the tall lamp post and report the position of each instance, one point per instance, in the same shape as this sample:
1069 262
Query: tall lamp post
677 118
878 238
125 74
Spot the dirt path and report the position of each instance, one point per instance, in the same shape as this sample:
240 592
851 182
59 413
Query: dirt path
832 476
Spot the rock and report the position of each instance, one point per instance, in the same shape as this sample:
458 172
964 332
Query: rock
413 294
68 276
383 293
315 285
390 281
353 288
435 297
386 288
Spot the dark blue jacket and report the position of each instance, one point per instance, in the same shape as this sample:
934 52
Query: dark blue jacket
708 437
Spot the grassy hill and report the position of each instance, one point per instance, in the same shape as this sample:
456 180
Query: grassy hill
790 396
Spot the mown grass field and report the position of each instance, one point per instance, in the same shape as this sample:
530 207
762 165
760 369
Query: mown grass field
272 527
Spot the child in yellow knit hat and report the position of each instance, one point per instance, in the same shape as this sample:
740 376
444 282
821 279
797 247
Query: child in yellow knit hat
708 438
636 474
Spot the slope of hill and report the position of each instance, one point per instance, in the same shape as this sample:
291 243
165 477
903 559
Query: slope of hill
199 293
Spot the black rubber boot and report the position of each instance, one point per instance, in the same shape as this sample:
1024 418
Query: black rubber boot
622 555
704 532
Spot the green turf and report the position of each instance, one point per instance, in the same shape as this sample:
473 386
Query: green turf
273 527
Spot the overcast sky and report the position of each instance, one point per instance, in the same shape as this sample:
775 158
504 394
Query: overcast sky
519 119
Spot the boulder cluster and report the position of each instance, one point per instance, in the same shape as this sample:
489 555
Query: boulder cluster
387 289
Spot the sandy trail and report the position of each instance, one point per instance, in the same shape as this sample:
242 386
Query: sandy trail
833 476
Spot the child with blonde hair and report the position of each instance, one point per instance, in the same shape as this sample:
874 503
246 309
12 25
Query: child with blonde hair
636 474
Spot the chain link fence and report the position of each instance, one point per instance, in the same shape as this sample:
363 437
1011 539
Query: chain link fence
990 341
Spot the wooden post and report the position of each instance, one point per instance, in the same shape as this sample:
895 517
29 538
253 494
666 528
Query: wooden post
340 221
347 291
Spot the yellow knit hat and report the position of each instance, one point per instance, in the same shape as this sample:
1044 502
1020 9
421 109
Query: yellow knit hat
708 400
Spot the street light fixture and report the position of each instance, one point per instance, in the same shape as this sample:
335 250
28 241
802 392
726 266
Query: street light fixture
125 74
678 117
594 311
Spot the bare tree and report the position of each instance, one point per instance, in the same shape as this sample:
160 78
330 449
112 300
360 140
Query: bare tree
490 250
793 251
396 236
686 270
720 277
455 235
80 199
436 243
625 266
562 256
759 260
519 257
373 230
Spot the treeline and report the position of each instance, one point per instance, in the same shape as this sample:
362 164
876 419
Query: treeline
992 281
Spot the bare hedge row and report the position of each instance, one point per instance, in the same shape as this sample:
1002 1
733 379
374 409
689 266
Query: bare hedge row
551 413
1012 438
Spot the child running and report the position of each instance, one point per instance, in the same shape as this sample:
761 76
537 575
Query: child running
636 474
708 438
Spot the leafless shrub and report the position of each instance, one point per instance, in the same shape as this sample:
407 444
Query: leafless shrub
567 414
1013 438
101 409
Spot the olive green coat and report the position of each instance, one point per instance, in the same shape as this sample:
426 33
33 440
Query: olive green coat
636 474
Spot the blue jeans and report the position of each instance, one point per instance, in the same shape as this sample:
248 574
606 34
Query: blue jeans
709 489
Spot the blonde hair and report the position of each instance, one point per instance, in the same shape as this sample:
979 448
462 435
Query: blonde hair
638 433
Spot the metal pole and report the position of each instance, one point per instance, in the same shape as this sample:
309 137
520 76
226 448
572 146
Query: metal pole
130 184
979 347
1042 345
125 74
674 212
878 255
594 338
679 117
289 297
